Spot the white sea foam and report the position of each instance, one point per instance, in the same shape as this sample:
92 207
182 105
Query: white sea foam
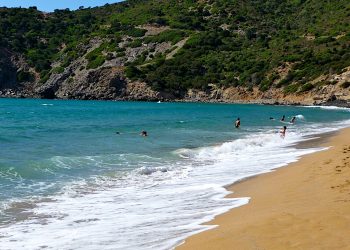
328 107
300 117
154 206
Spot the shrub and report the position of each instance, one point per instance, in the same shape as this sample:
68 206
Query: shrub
135 32
25 76
44 78
57 70
265 85
132 72
92 55
120 54
345 85
287 79
120 49
135 44
172 36
324 39
306 87
290 89
97 62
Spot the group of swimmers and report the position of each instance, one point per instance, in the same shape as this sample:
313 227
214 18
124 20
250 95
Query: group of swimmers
282 131
284 117
142 133
238 124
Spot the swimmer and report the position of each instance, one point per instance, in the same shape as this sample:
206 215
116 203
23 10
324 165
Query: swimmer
293 120
283 131
283 117
238 123
143 133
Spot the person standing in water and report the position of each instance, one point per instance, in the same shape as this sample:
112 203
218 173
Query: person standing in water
238 123
283 117
283 131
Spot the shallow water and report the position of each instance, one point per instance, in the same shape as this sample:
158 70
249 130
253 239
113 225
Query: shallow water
66 174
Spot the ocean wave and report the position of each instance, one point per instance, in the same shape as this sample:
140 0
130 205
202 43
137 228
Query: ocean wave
251 143
151 170
300 117
328 107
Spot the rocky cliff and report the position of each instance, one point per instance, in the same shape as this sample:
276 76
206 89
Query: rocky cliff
110 83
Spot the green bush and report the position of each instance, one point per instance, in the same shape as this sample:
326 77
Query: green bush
120 54
290 89
135 32
25 76
57 70
44 78
324 39
292 58
306 87
345 85
92 55
97 62
132 72
172 36
136 43
120 49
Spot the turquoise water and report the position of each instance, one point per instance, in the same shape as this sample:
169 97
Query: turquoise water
60 159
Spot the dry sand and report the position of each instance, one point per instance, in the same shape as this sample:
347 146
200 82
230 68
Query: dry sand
305 205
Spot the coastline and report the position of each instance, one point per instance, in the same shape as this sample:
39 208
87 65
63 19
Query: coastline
268 102
305 205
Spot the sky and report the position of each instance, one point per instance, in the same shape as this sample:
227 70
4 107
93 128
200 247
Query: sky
51 5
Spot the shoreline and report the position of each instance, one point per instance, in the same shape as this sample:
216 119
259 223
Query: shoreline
267 102
295 206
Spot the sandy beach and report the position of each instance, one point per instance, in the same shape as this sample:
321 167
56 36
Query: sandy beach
305 205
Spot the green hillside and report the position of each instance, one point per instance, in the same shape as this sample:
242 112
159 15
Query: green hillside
229 43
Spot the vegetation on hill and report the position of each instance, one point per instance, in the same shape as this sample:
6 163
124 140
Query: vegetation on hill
230 43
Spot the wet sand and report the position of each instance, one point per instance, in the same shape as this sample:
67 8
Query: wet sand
305 205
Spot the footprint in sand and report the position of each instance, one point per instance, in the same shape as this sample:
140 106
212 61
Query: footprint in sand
327 162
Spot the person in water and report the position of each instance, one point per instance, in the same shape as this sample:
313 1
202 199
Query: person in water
238 123
283 117
293 120
143 133
283 131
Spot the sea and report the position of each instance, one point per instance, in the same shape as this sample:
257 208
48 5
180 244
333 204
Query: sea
78 175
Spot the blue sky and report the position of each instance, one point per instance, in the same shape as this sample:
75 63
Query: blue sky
50 5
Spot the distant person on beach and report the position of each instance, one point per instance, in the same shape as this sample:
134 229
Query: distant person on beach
143 133
283 118
238 123
283 131
293 120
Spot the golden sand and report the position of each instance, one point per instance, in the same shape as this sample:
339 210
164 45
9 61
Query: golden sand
305 205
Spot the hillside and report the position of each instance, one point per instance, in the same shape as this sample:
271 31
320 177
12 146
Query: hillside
291 51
